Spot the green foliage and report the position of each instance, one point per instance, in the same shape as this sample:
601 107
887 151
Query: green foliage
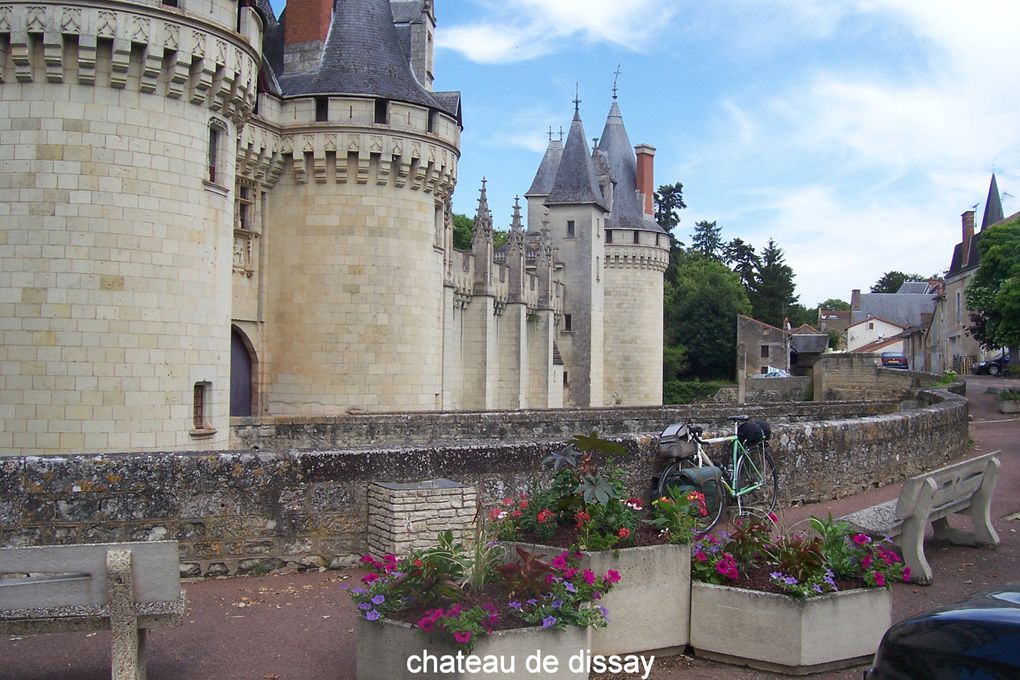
994 293
707 239
677 514
742 257
674 362
669 201
836 304
688 392
890 282
835 338
702 302
772 296
947 378
462 228
1009 395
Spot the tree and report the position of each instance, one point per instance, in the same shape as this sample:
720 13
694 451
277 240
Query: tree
799 315
741 257
462 228
891 281
669 201
994 293
836 304
702 303
707 239
772 296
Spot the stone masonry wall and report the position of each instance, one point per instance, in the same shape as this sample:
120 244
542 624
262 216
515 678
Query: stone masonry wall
407 516
239 512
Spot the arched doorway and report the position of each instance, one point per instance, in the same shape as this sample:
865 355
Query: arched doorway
241 363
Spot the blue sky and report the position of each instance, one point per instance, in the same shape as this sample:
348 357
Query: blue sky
854 133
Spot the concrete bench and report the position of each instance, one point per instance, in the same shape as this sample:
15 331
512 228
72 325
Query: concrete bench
965 487
125 587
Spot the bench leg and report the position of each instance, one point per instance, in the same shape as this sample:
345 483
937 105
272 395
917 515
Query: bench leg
128 649
981 507
912 542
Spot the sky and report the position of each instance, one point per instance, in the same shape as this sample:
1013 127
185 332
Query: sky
853 133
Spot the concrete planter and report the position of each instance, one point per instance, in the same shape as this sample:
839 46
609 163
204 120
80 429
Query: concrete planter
782 633
391 650
649 609
1009 406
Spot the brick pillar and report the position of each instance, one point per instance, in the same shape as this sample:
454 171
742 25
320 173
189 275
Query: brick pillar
968 236
646 177
305 27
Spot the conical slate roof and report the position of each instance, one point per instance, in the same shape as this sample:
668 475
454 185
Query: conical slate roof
546 175
575 181
627 212
362 56
993 206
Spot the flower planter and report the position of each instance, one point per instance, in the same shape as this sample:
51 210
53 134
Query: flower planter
391 650
1009 406
782 633
649 609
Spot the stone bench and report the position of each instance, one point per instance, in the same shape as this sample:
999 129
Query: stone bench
965 487
125 587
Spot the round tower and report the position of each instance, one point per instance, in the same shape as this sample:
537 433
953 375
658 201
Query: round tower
355 309
637 253
119 121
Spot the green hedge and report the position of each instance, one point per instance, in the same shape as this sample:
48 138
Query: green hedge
689 392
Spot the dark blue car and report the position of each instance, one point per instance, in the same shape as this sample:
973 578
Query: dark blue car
976 639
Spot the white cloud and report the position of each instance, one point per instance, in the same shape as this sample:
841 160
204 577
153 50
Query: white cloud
518 30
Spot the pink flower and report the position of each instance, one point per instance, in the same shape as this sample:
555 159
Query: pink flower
879 579
370 577
588 576
612 576
462 636
700 556
906 574
862 539
773 517
866 562
560 561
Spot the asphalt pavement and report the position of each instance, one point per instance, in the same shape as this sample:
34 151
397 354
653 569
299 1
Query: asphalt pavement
301 626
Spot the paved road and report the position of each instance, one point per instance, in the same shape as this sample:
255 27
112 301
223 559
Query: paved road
300 627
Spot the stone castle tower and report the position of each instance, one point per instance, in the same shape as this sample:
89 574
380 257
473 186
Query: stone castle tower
210 212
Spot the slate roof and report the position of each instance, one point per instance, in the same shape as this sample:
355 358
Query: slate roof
627 211
993 205
914 287
902 309
575 181
363 55
546 175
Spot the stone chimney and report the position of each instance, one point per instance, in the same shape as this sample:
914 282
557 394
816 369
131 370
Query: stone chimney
968 236
855 299
646 177
305 27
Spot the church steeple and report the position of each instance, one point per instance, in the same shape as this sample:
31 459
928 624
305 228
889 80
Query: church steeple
993 206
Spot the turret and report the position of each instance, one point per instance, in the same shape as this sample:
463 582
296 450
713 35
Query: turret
481 244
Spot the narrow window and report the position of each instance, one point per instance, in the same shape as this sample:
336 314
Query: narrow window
381 109
959 307
598 269
764 351
201 420
565 381
321 109
171 3
432 121
245 200
214 151
566 323
637 236
609 235
570 228
871 325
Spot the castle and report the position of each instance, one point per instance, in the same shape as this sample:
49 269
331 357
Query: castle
207 212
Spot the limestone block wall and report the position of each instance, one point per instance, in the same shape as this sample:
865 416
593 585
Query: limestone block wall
406 516
115 239
860 376
243 511
513 357
633 321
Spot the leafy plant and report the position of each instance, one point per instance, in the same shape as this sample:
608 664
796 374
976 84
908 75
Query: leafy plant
1009 395
676 515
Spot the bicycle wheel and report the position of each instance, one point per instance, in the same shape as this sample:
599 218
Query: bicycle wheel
683 475
755 482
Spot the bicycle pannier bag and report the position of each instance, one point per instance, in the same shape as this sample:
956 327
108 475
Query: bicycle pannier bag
693 479
754 432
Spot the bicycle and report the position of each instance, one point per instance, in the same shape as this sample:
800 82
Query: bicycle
749 477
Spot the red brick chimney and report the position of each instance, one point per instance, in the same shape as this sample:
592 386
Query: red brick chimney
646 177
305 27
968 236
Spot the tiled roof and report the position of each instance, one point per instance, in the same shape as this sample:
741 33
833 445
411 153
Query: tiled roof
546 175
363 55
627 212
575 181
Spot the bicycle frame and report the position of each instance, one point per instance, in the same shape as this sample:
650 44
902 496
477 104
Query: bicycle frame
738 451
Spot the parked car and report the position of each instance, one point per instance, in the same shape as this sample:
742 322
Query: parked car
894 360
978 637
993 366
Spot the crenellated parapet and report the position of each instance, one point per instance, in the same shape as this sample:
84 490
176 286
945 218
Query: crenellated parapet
147 46
637 257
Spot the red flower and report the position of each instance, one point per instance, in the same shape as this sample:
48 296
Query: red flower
581 517
624 532
544 516
523 504
418 563
508 501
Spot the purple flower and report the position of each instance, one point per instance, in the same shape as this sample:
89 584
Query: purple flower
514 605
378 599
571 588
549 621
359 591
605 612
373 615
817 588
557 604
790 580
532 602
364 606
776 575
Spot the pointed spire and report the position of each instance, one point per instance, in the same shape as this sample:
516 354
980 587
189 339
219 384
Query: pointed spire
627 211
546 174
515 240
993 206
483 216
575 181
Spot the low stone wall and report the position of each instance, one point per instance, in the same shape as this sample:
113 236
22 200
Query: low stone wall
861 376
254 511
771 390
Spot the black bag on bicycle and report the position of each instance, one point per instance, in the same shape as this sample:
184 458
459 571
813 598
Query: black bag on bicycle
754 432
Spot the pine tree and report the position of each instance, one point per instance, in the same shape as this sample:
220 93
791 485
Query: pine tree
773 296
